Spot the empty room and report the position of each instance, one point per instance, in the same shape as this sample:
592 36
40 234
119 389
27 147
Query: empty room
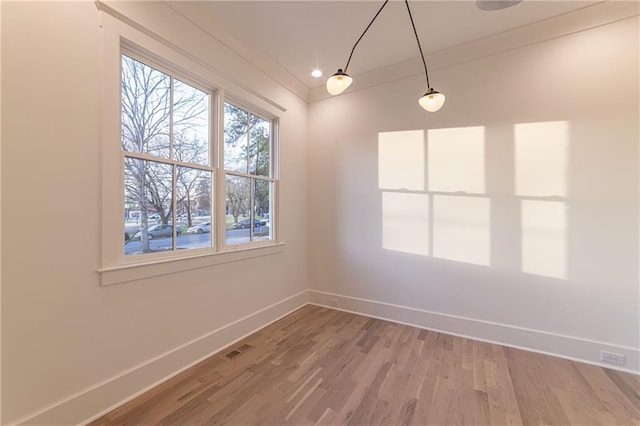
320 212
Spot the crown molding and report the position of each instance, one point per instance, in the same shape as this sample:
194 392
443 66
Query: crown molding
188 29
196 13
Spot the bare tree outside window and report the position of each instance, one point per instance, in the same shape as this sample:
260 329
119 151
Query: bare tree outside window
247 161
166 120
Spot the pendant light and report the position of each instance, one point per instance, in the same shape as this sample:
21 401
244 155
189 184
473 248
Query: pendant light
496 4
431 101
339 82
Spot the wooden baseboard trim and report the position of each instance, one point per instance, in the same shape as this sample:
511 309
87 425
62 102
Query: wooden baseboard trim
568 347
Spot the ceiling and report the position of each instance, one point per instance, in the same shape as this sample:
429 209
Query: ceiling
303 35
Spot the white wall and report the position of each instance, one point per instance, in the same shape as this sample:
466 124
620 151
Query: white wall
544 253
71 348
64 337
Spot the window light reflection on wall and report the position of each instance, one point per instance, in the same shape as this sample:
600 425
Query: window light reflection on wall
461 229
544 245
456 159
541 161
541 155
401 160
405 222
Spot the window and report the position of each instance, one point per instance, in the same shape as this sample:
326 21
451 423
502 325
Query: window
248 176
170 166
166 144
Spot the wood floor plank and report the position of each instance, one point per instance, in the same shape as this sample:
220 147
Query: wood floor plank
609 394
319 366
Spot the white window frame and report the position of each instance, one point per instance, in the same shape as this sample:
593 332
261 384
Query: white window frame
120 38
213 156
272 178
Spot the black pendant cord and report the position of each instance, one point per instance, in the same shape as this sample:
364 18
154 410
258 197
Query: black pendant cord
419 47
365 31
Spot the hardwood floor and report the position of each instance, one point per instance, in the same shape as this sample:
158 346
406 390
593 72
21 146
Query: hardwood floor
322 366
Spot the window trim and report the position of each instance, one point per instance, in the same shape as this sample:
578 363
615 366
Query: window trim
164 266
120 38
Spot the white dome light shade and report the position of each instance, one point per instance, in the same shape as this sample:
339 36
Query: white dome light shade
496 4
338 82
432 101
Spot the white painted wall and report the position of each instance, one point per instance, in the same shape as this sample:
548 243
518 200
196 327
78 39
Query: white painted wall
71 348
63 335
568 282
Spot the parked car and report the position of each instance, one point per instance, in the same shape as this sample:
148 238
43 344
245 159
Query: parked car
245 224
156 231
200 229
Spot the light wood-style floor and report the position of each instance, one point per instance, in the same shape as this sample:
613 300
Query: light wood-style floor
322 366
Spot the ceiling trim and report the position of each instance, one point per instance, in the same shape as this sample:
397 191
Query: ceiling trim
191 12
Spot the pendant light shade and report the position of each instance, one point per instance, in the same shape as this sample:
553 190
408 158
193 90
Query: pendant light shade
338 82
431 101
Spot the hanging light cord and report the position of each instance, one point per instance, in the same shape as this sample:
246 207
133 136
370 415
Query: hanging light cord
365 31
418 40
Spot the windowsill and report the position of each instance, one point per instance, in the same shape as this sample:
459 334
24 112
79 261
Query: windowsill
133 272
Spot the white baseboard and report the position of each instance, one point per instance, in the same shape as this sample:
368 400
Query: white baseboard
99 399
569 347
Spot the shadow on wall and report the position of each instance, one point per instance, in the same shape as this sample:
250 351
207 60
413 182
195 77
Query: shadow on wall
435 200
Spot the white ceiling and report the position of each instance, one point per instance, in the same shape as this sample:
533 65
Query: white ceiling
303 35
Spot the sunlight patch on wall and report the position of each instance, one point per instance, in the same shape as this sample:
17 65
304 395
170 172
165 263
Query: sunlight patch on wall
461 229
401 160
544 245
405 222
541 154
456 160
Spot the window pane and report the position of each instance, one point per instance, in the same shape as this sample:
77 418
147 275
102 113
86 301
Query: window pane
259 146
148 206
145 108
193 207
190 124
238 208
235 139
262 212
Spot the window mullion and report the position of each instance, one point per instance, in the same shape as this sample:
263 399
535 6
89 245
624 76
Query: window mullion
248 142
251 210
247 175
171 88
220 187
174 177
149 157
174 204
